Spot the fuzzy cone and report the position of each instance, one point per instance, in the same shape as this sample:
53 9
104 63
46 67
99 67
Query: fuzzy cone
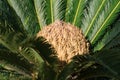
67 40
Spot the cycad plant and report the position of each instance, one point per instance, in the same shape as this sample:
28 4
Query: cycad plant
59 39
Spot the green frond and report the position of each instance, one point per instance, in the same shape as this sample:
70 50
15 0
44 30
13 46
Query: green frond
74 13
46 73
109 36
41 65
7 75
115 43
40 7
7 18
98 65
32 56
25 10
110 59
14 62
91 14
107 16
10 39
48 6
50 10
59 9
69 3
79 63
46 51
95 71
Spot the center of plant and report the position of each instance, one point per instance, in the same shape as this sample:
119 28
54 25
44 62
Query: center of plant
67 40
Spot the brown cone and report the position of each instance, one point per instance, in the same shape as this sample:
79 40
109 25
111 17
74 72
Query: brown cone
67 40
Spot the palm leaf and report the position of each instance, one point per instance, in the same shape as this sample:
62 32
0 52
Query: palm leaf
40 6
107 16
55 8
91 14
46 73
59 9
115 43
34 58
79 62
13 19
40 65
110 60
7 75
74 13
14 62
25 10
47 52
98 65
11 39
93 72
109 36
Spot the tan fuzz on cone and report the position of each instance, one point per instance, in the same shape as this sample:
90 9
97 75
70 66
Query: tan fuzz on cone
67 40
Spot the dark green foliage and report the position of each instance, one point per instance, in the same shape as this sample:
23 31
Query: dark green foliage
25 57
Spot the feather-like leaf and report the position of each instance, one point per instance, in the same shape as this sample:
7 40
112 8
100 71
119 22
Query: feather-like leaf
14 62
40 6
25 10
109 59
49 10
7 75
59 9
46 51
115 43
11 39
5 16
79 62
32 56
74 13
107 16
91 14
109 36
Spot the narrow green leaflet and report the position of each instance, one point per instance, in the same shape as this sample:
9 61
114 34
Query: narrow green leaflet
46 50
95 72
79 63
8 19
110 35
9 38
40 6
74 11
109 59
91 14
40 65
107 16
49 10
34 58
7 75
14 62
69 5
114 43
59 9
25 10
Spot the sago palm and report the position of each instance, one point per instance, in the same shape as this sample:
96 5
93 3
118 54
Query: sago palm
59 39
